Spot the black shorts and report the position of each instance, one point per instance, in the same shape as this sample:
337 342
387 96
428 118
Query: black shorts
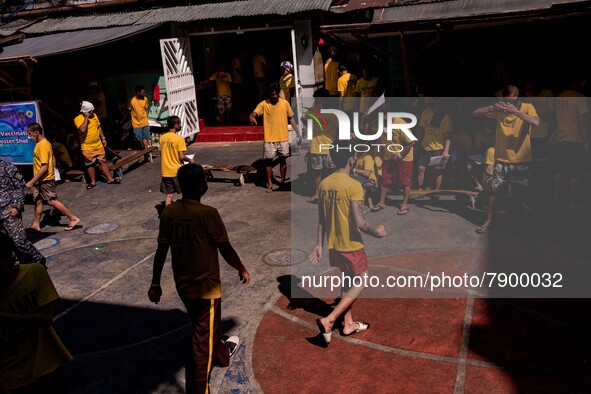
170 185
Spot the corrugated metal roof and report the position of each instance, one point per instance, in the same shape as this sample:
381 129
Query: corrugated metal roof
354 5
190 13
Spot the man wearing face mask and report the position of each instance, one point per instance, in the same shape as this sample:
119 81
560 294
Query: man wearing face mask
512 148
275 112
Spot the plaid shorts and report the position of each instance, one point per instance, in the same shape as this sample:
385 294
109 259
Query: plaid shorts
46 190
320 162
224 104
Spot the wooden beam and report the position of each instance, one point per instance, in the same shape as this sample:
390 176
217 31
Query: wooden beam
405 65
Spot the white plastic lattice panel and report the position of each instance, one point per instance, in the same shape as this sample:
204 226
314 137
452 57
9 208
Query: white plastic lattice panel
180 83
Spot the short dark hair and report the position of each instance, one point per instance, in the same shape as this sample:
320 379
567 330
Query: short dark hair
341 153
172 121
139 87
36 127
274 87
342 67
191 179
321 92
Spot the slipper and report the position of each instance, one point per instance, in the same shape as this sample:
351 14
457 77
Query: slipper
377 208
269 191
115 181
403 211
312 200
361 327
482 230
72 225
325 336
90 186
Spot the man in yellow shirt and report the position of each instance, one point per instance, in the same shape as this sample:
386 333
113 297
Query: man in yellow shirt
32 354
43 182
339 220
287 82
331 72
172 155
571 143
138 107
324 134
346 86
223 85
195 233
436 130
275 112
512 148
366 88
92 144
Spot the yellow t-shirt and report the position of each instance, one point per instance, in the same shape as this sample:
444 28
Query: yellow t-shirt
512 145
336 193
222 83
258 66
43 154
570 107
324 131
28 353
347 84
398 137
275 119
193 231
544 104
434 138
366 88
366 162
91 140
286 83
331 76
170 145
139 112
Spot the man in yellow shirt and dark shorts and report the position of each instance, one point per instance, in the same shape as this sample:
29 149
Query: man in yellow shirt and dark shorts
172 155
275 112
339 220
43 181
512 149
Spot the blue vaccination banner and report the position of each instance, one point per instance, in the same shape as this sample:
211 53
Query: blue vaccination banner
14 119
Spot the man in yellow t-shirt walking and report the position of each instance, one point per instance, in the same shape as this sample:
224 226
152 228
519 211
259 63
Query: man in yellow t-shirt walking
172 155
512 148
138 107
275 112
339 220
346 87
43 181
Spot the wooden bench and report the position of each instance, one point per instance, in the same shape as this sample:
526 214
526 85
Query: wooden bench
470 193
243 170
121 161
74 173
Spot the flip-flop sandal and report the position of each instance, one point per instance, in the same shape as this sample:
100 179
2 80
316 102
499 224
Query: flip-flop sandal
377 208
361 327
482 230
90 186
269 191
326 336
312 200
403 211
115 181
71 226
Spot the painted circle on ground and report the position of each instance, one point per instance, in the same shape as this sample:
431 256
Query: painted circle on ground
284 257
101 228
152 224
46 243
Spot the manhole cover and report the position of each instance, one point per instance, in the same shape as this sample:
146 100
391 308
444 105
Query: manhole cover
101 228
284 257
153 224
46 243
